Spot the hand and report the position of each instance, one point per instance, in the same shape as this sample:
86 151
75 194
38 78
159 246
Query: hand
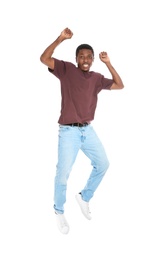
104 57
66 34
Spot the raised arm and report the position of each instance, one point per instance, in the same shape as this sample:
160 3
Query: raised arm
46 57
118 84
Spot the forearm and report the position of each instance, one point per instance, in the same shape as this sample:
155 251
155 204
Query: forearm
118 84
48 52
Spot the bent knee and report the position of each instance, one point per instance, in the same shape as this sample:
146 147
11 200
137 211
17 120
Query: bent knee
104 165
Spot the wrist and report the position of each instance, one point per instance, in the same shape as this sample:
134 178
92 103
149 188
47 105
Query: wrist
60 38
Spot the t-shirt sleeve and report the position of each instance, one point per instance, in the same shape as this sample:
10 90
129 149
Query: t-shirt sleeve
104 83
107 83
59 69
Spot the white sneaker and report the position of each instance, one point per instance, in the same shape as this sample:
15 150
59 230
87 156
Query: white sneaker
62 223
84 206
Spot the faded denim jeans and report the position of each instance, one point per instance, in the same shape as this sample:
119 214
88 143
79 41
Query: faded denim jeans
71 140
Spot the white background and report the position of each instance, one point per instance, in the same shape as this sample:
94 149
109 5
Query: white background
127 207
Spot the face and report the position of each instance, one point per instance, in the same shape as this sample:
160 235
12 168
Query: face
84 59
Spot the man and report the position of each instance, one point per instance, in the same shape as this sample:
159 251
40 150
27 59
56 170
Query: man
79 90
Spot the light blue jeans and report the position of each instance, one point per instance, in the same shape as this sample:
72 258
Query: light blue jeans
71 139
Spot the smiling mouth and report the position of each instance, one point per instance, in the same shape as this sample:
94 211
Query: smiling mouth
85 65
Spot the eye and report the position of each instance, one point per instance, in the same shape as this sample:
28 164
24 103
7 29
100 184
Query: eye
90 57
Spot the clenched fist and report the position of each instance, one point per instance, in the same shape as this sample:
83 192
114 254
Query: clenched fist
66 34
104 57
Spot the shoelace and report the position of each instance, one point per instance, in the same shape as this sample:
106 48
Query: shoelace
62 221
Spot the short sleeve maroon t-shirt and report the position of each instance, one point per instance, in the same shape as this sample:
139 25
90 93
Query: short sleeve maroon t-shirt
79 92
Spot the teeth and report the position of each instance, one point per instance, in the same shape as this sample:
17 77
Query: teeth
85 65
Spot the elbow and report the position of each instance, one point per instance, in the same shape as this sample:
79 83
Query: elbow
47 61
117 86
121 86
42 59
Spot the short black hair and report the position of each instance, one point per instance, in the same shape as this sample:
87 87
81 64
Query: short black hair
84 46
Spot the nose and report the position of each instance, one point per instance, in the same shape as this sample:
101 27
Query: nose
85 59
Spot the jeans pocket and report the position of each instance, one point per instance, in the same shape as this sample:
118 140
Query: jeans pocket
63 130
